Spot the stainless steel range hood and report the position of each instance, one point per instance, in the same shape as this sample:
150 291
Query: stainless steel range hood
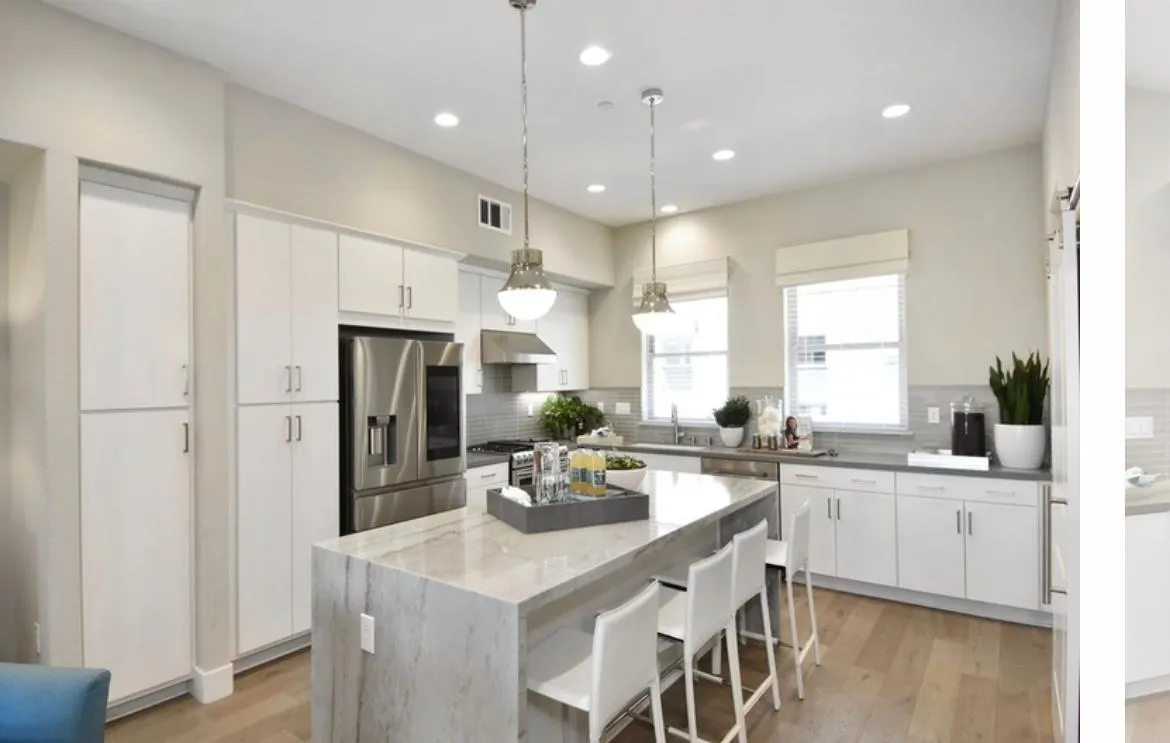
499 347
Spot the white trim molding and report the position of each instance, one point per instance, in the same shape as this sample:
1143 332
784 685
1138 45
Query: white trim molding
211 686
845 258
687 279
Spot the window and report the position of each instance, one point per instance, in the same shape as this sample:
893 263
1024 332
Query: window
846 354
690 370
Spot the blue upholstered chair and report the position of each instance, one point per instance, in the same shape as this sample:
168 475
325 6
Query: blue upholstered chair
41 704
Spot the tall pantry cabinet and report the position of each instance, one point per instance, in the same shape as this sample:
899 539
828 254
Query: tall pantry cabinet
136 437
287 421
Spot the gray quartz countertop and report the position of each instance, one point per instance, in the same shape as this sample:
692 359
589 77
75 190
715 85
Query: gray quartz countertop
860 460
475 459
1149 500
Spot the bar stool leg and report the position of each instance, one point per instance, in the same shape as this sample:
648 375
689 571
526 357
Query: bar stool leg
795 643
717 659
689 680
656 711
812 616
736 681
770 648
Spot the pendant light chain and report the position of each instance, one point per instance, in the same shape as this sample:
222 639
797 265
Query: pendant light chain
653 201
524 109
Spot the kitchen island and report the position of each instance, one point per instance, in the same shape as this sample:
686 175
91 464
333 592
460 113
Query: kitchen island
458 598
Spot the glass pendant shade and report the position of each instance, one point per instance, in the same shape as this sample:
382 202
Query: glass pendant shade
654 315
527 295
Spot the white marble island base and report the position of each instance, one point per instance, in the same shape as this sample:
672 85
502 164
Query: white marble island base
458 598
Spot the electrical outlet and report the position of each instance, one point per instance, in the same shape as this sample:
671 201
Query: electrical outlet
531 407
932 415
1139 428
37 636
601 406
368 633
623 408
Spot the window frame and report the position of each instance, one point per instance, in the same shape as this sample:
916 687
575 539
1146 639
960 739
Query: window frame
793 350
647 357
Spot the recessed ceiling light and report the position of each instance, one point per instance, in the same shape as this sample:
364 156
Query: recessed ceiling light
447 120
724 155
669 209
595 188
895 111
595 55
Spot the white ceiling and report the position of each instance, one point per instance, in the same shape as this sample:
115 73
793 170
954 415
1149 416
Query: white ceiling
794 87
1146 36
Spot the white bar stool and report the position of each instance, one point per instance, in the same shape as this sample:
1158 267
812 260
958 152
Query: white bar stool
750 581
695 616
791 557
609 672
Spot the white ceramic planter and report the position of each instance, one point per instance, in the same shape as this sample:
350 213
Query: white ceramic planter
731 437
628 479
1020 447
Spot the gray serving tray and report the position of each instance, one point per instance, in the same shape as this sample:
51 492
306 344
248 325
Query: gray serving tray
617 506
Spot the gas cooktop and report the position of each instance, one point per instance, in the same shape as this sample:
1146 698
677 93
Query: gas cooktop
510 446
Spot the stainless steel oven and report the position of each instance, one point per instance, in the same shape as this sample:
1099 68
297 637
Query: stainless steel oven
402 432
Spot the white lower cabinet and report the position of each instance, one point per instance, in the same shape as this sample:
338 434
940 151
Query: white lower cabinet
136 547
1003 554
930 546
867 537
482 479
287 499
1147 597
822 550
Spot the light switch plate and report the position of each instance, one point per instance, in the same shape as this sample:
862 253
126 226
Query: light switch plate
601 406
530 409
623 408
1139 427
932 415
368 634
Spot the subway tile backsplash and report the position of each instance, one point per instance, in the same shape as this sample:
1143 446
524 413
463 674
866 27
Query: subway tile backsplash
1152 454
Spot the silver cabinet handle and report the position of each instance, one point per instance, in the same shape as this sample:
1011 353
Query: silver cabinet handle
288 428
959 521
932 488
1046 587
838 509
186 381
1007 493
829 508
862 482
300 377
401 297
409 297
802 476
186 438
288 372
969 522
487 476
300 427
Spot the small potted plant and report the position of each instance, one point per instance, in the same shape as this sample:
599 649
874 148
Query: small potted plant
731 418
1019 435
564 417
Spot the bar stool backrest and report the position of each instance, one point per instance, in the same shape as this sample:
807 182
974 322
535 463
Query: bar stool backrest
708 596
749 564
799 534
625 657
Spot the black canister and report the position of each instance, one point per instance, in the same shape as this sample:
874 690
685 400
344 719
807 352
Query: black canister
968 429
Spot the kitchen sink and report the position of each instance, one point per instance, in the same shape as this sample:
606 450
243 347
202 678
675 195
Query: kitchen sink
667 447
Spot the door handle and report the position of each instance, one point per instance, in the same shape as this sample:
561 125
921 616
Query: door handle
409 297
401 297
959 521
300 426
300 377
186 438
968 522
829 508
838 509
288 428
186 380
288 371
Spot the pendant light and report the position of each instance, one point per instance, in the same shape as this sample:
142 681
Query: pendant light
655 315
526 295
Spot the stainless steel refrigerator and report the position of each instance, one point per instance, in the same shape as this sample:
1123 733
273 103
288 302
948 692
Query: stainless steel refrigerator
402 448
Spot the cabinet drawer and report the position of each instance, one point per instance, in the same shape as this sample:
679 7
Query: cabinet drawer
487 477
838 478
987 490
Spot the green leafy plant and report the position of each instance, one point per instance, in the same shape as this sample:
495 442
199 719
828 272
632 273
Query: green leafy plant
623 462
735 413
566 417
1020 390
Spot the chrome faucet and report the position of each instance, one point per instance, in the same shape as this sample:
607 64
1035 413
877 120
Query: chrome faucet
678 432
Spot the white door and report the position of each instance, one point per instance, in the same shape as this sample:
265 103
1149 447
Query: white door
432 286
1003 554
264 525
134 299
313 282
136 547
315 512
867 542
930 546
467 332
370 277
576 329
822 549
263 345
1064 513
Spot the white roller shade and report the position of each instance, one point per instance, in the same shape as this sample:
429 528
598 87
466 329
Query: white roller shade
698 279
846 258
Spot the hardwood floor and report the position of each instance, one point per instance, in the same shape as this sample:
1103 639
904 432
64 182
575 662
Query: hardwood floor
891 674
1147 720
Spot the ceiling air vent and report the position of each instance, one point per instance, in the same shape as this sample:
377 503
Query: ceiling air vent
495 215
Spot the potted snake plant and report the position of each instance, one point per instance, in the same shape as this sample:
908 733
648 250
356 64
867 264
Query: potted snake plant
1020 439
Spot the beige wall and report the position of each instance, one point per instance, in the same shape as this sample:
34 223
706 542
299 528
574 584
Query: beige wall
1147 238
976 285
1062 122
10 553
287 158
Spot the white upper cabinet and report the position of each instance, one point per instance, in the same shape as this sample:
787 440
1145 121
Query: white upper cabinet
566 330
494 317
370 278
263 341
134 299
576 344
286 312
432 286
314 314
467 331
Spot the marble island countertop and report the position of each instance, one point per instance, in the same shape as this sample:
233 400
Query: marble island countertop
471 550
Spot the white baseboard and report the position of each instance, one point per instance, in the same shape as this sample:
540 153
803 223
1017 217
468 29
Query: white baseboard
1146 687
273 652
211 686
932 601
